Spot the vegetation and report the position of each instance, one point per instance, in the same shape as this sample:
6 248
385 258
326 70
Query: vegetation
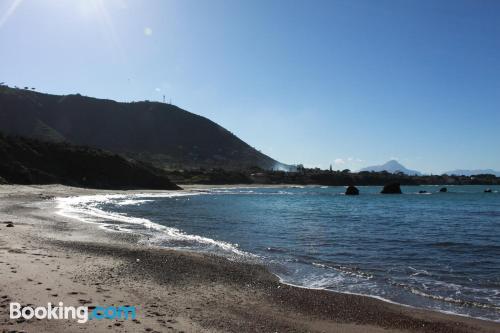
29 161
159 133
323 177
193 149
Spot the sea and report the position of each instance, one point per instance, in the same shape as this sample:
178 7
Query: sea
432 250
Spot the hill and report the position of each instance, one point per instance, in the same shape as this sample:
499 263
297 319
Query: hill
392 166
163 134
29 161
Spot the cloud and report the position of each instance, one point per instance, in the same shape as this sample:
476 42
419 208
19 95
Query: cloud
348 161
157 89
148 31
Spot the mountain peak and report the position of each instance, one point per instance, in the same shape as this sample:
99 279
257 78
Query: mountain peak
393 163
392 166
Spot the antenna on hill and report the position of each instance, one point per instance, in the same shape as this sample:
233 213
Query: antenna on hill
163 99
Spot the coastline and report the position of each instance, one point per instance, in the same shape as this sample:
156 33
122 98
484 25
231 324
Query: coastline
47 254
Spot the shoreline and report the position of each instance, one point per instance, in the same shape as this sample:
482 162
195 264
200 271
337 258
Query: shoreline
253 297
379 298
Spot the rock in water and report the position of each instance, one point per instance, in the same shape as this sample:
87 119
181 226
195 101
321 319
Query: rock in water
392 188
422 192
9 225
443 189
352 190
488 190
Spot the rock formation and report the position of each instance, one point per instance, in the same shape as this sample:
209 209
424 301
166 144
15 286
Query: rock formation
392 188
352 190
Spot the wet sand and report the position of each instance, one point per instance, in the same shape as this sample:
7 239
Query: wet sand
45 257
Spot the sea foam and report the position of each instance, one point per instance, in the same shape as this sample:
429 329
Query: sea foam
87 209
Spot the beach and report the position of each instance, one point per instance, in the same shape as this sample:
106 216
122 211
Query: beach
46 257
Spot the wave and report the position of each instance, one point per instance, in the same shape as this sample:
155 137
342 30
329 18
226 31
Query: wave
418 272
132 202
329 284
457 301
465 246
276 250
244 190
352 271
331 276
449 244
86 209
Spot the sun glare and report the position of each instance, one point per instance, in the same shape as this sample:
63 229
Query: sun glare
91 8
10 10
148 31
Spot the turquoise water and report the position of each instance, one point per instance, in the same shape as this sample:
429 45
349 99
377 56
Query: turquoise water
435 250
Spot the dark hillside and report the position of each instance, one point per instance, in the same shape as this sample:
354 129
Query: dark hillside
29 161
163 134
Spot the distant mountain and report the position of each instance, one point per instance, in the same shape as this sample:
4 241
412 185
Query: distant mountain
392 166
29 161
459 172
160 133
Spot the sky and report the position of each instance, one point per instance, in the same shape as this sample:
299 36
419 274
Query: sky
348 83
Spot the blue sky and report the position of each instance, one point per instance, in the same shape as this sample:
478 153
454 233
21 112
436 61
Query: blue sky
348 83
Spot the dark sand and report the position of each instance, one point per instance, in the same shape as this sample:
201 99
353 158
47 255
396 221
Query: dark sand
46 257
